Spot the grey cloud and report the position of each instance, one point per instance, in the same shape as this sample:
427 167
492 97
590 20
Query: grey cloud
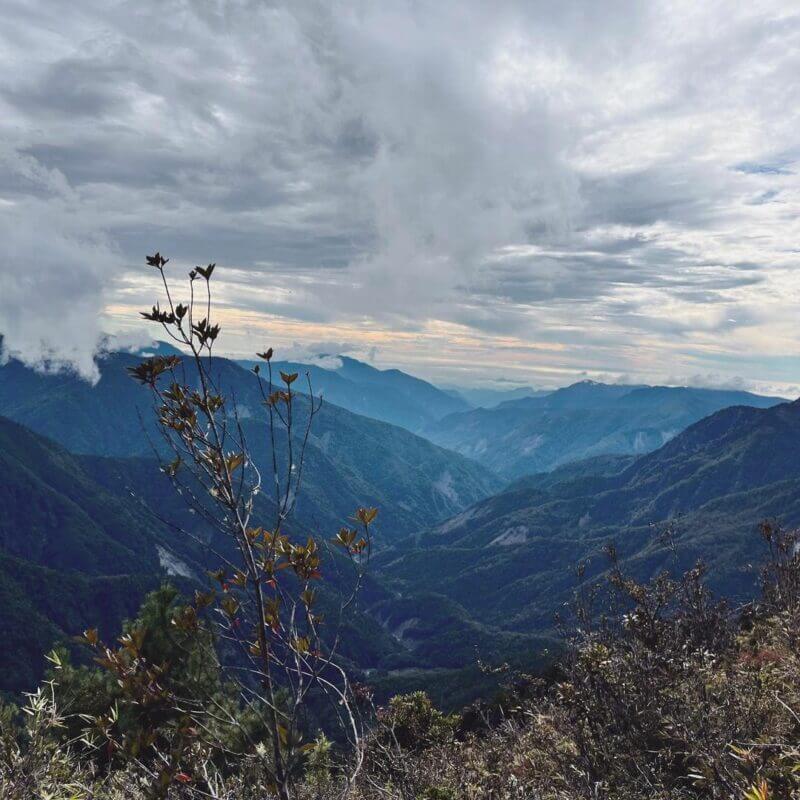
78 87
374 160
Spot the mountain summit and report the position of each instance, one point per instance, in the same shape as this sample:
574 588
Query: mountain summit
388 395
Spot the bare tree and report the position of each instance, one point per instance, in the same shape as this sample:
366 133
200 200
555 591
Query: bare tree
265 588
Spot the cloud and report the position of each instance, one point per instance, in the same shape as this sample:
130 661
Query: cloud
611 187
52 281
327 354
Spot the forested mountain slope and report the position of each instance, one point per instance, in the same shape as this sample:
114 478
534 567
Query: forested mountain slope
71 553
82 538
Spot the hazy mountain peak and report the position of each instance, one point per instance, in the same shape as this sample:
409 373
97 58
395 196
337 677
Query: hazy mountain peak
585 419
390 395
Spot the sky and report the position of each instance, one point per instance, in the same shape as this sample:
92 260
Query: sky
481 193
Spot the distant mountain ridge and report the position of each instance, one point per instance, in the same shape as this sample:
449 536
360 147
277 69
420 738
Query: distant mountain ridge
482 397
536 434
458 565
352 460
388 395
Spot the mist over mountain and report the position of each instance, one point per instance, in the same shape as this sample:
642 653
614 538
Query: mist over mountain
586 419
490 398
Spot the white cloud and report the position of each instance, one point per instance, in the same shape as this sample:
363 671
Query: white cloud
52 280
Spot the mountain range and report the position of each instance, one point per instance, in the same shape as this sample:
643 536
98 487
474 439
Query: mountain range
352 460
465 562
85 532
700 496
83 538
388 395
536 434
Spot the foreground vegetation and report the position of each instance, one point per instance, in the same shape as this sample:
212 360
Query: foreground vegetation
676 696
